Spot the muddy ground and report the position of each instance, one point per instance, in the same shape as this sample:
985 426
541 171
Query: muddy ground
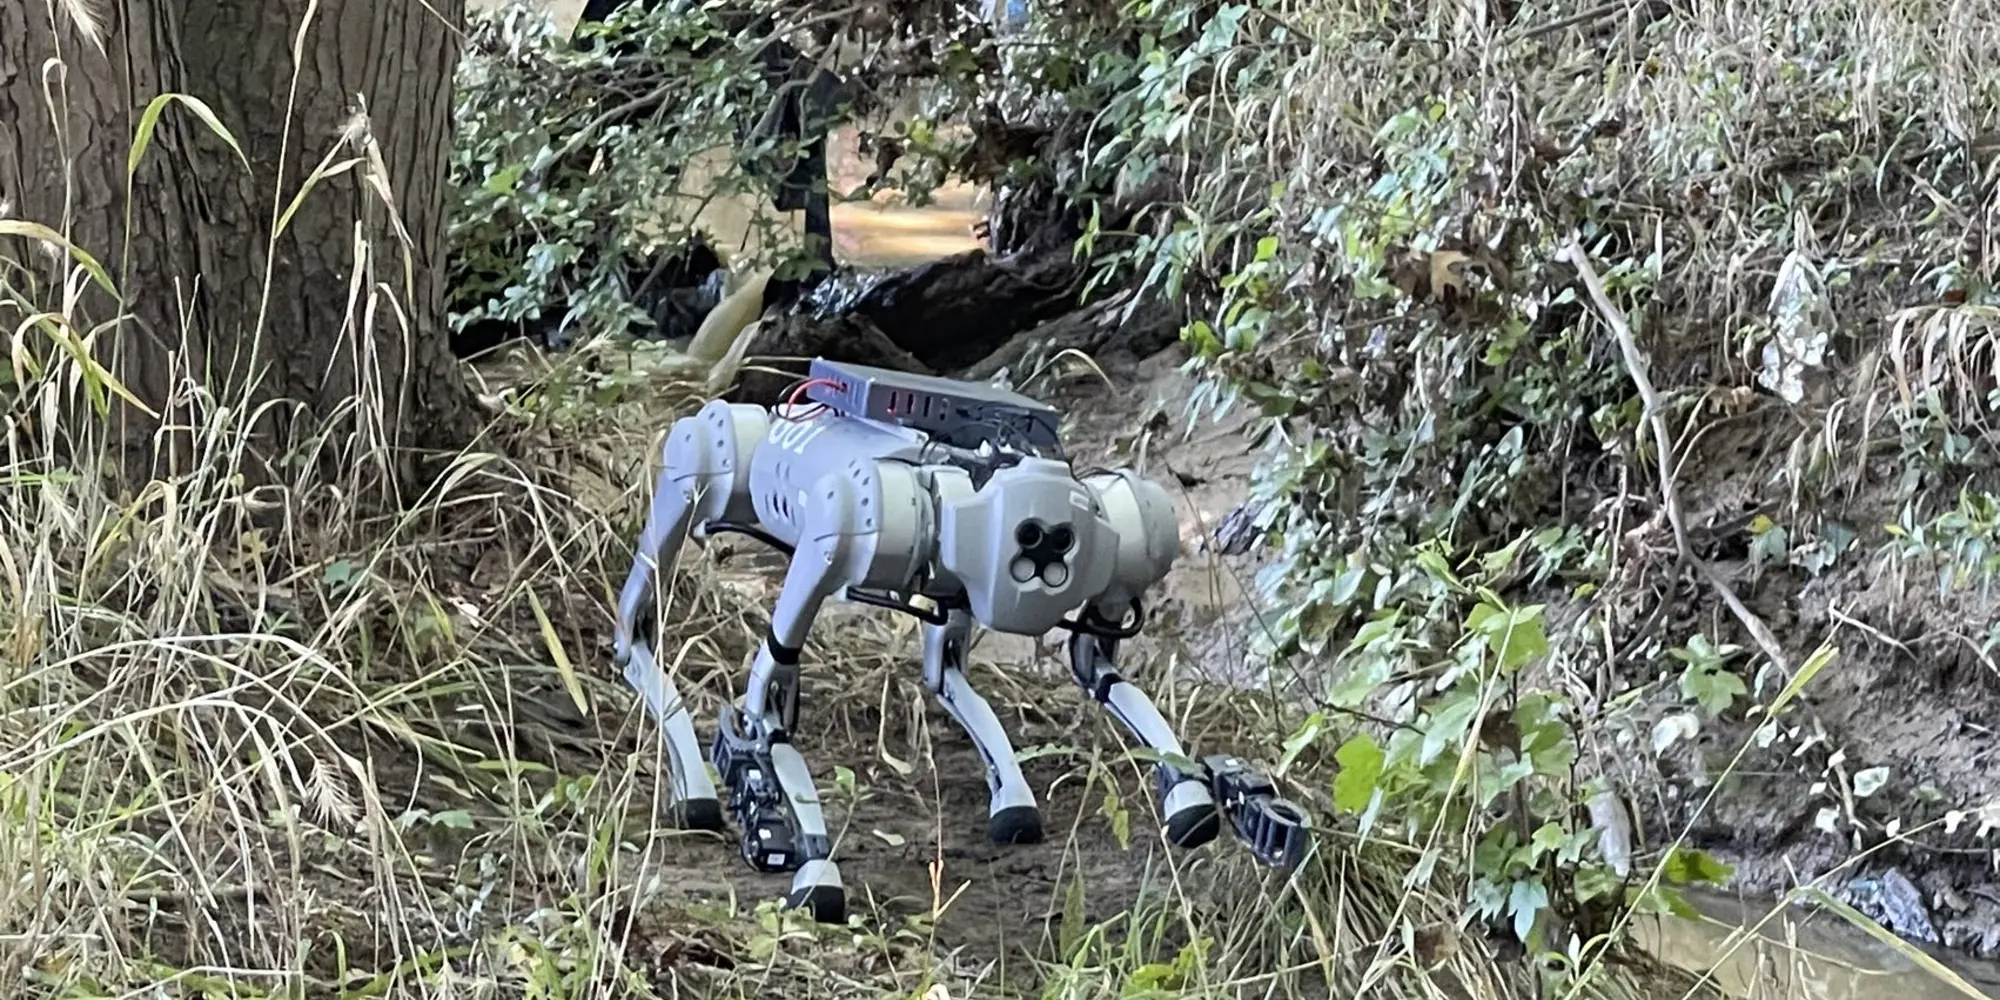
1913 691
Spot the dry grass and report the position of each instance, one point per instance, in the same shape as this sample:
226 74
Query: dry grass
277 745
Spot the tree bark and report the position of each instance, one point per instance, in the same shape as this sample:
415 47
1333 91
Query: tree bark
342 314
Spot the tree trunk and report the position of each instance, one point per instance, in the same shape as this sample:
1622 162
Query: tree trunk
342 315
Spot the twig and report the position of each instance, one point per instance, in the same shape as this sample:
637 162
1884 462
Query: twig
1592 14
1656 418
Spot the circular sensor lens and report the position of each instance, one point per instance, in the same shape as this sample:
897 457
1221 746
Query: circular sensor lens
1029 534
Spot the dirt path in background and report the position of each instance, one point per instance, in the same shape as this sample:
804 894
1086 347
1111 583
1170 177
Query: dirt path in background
883 232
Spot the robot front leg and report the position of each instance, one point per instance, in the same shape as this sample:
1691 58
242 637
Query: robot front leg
1273 828
703 478
771 789
1012 815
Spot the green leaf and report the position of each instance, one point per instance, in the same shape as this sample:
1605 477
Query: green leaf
503 180
1360 760
1807 671
1712 687
1687 866
1526 900
1295 744
43 234
1514 636
456 819
1549 837
1660 899
1595 882
339 575
1376 629
1434 563
149 120
1449 723
1495 562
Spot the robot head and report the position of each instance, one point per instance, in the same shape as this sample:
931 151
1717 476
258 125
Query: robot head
1034 543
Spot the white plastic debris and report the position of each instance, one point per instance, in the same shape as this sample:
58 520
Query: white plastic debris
1802 324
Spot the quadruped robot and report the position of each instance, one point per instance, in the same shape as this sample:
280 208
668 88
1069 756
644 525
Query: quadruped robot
883 487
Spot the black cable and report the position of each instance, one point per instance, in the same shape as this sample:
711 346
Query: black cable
737 528
940 616
1093 624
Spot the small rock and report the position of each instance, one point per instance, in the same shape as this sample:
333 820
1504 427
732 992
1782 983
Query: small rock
1894 901
1950 899
1238 531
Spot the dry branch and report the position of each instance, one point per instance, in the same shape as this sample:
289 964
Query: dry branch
1656 418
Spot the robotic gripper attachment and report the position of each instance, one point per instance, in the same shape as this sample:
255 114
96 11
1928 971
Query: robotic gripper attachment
1190 794
888 487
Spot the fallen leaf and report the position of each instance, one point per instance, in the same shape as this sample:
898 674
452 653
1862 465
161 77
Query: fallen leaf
1870 781
892 839
1442 275
1673 729
1614 831
902 767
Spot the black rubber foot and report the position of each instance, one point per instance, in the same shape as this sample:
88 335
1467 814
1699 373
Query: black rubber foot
1015 825
699 814
826 904
1191 828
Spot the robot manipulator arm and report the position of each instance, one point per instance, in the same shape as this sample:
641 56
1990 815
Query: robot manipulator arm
1144 542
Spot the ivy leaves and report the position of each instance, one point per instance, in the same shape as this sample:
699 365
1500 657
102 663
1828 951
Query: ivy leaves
1514 636
1707 680
1357 787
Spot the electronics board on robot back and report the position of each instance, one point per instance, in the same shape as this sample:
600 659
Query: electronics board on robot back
956 414
883 487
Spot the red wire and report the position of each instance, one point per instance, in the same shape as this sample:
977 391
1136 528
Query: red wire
799 392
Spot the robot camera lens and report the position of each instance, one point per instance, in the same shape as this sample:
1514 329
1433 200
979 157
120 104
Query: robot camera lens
1061 537
1029 534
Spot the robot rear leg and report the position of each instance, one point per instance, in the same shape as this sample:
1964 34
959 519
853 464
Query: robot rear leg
1012 815
776 804
771 789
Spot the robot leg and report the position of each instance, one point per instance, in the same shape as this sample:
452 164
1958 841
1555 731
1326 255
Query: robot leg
1273 828
863 529
1012 816
704 477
